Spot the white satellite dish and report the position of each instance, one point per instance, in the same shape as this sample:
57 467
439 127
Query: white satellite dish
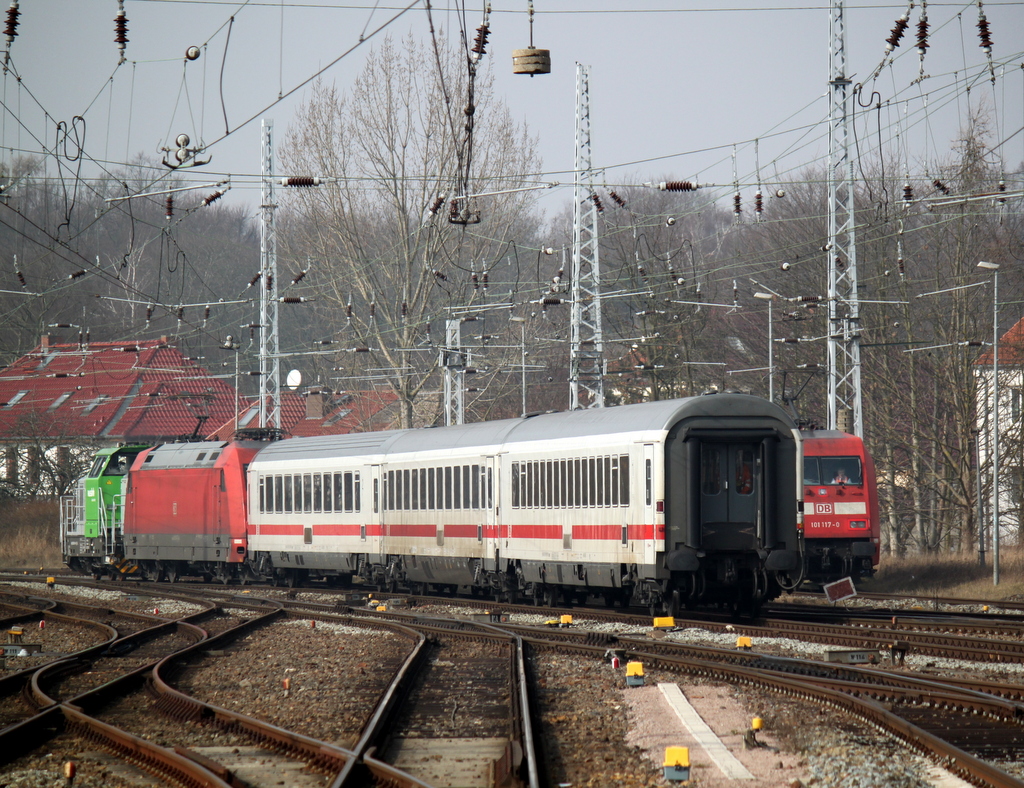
294 379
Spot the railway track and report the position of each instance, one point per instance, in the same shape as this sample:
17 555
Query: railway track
971 725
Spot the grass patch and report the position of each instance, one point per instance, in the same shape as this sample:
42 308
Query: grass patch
30 535
951 576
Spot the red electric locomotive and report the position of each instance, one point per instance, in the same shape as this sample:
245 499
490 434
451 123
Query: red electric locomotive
841 526
185 509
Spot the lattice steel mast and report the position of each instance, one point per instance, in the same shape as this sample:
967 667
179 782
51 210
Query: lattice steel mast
586 343
270 357
844 384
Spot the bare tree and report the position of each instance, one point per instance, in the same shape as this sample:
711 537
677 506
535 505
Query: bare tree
392 240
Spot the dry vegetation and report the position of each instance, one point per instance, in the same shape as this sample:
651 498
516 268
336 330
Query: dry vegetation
958 576
29 535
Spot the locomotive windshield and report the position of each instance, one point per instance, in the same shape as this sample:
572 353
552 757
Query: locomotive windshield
832 470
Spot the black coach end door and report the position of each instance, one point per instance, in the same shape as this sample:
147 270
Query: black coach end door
730 492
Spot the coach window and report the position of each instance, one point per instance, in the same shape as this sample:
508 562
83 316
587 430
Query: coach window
376 495
613 479
350 495
624 480
577 483
431 497
307 493
338 493
421 495
648 481
278 493
515 485
710 472
389 491
475 476
547 484
318 492
490 488
456 487
406 490
531 484
263 494
744 471
447 487
287 492
467 483
357 497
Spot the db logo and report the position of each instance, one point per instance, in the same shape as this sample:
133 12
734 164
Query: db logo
823 508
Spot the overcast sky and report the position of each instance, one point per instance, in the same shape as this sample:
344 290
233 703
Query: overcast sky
674 85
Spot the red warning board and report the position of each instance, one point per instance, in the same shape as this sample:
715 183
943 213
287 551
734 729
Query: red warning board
840 590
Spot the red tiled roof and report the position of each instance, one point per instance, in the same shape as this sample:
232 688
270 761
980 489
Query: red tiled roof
329 414
114 391
1011 347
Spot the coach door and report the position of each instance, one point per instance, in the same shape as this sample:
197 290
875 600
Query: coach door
489 522
730 489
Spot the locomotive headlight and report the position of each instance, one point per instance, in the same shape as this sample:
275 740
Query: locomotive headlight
858 524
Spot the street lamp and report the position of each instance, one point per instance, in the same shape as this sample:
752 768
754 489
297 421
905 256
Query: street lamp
994 268
771 356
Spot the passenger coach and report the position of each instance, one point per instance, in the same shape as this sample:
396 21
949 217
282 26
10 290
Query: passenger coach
663 503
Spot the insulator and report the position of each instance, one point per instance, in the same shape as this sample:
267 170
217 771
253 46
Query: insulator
213 198
485 281
206 313
922 33
480 42
737 204
77 274
808 299
758 203
121 29
1002 188
940 186
149 313
181 313
11 30
405 310
475 280
169 207
551 301
440 275
437 205
700 296
293 300
453 211
360 350
897 32
348 311
983 33
252 326
21 279
641 270
300 182
900 266
618 200
680 281
299 276
597 202
373 310
677 186
270 281
254 280
908 192
62 325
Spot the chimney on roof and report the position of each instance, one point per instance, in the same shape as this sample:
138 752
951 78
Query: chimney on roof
316 404
44 341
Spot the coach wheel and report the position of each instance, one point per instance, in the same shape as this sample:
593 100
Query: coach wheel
671 604
291 579
223 574
171 572
551 596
